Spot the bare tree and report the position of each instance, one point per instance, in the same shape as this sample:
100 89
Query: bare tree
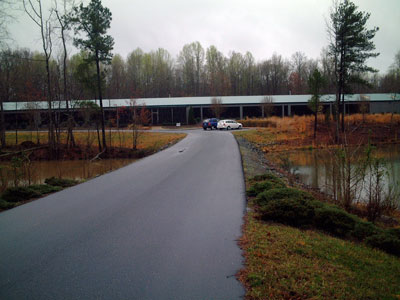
35 12
267 106
63 27
217 107
5 17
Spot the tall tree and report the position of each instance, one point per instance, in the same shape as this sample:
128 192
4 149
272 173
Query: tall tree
63 25
298 75
215 72
350 46
94 20
35 12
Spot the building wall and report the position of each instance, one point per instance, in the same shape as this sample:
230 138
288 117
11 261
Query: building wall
384 107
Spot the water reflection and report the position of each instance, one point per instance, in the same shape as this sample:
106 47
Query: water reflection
37 171
315 168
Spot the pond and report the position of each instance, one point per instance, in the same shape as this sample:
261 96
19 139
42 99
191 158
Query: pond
37 171
316 168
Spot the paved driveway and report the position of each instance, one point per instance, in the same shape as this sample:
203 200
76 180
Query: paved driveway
164 227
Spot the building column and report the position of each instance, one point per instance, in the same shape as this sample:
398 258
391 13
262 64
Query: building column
201 113
172 115
158 113
187 115
289 110
330 108
241 112
283 110
262 111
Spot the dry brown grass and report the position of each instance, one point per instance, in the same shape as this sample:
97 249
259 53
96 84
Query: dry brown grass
295 132
122 139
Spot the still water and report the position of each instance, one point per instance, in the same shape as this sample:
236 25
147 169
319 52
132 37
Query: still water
37 171
314 167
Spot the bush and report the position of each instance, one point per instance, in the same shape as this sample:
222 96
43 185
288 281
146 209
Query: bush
266 176
285 193
334 220
262 186
289 211
60 182
17 194
363 230
5 204
386 242
43 189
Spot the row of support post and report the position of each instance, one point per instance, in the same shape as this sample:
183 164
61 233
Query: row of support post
289 112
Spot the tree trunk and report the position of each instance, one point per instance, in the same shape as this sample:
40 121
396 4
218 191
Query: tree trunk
2 126
49 110
70 135
103 132
315 125
98 136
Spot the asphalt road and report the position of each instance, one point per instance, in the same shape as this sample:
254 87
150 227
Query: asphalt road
164 227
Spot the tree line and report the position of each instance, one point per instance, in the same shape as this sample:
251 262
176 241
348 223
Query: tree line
157 74
95 72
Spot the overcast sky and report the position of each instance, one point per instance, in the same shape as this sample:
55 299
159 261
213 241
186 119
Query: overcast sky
259 26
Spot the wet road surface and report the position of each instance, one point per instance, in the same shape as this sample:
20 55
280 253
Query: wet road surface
164 227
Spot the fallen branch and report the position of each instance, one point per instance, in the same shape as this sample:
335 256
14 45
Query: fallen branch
25 150
98 155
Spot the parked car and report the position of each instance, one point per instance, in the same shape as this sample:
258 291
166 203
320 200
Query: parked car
210 123
229 124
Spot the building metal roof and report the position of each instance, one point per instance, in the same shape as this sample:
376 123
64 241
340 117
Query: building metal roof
199 101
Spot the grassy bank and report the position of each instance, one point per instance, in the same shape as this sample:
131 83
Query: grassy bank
283 262
302 261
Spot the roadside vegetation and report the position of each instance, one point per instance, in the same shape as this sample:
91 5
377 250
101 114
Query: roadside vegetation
14 196
299 247
293 133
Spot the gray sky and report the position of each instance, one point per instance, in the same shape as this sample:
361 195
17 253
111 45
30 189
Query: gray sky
259 26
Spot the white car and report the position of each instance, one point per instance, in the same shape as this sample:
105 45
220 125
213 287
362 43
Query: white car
229 124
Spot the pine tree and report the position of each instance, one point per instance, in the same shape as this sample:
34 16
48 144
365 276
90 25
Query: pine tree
351 45
94 20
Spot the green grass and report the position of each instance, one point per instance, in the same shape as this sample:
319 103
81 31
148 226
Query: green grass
284 262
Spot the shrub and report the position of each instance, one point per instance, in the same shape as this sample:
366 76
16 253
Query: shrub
43 189
284 193
363 230
334 220
5 204
289 211
265 185
386 242
266 176
60 182
17 194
